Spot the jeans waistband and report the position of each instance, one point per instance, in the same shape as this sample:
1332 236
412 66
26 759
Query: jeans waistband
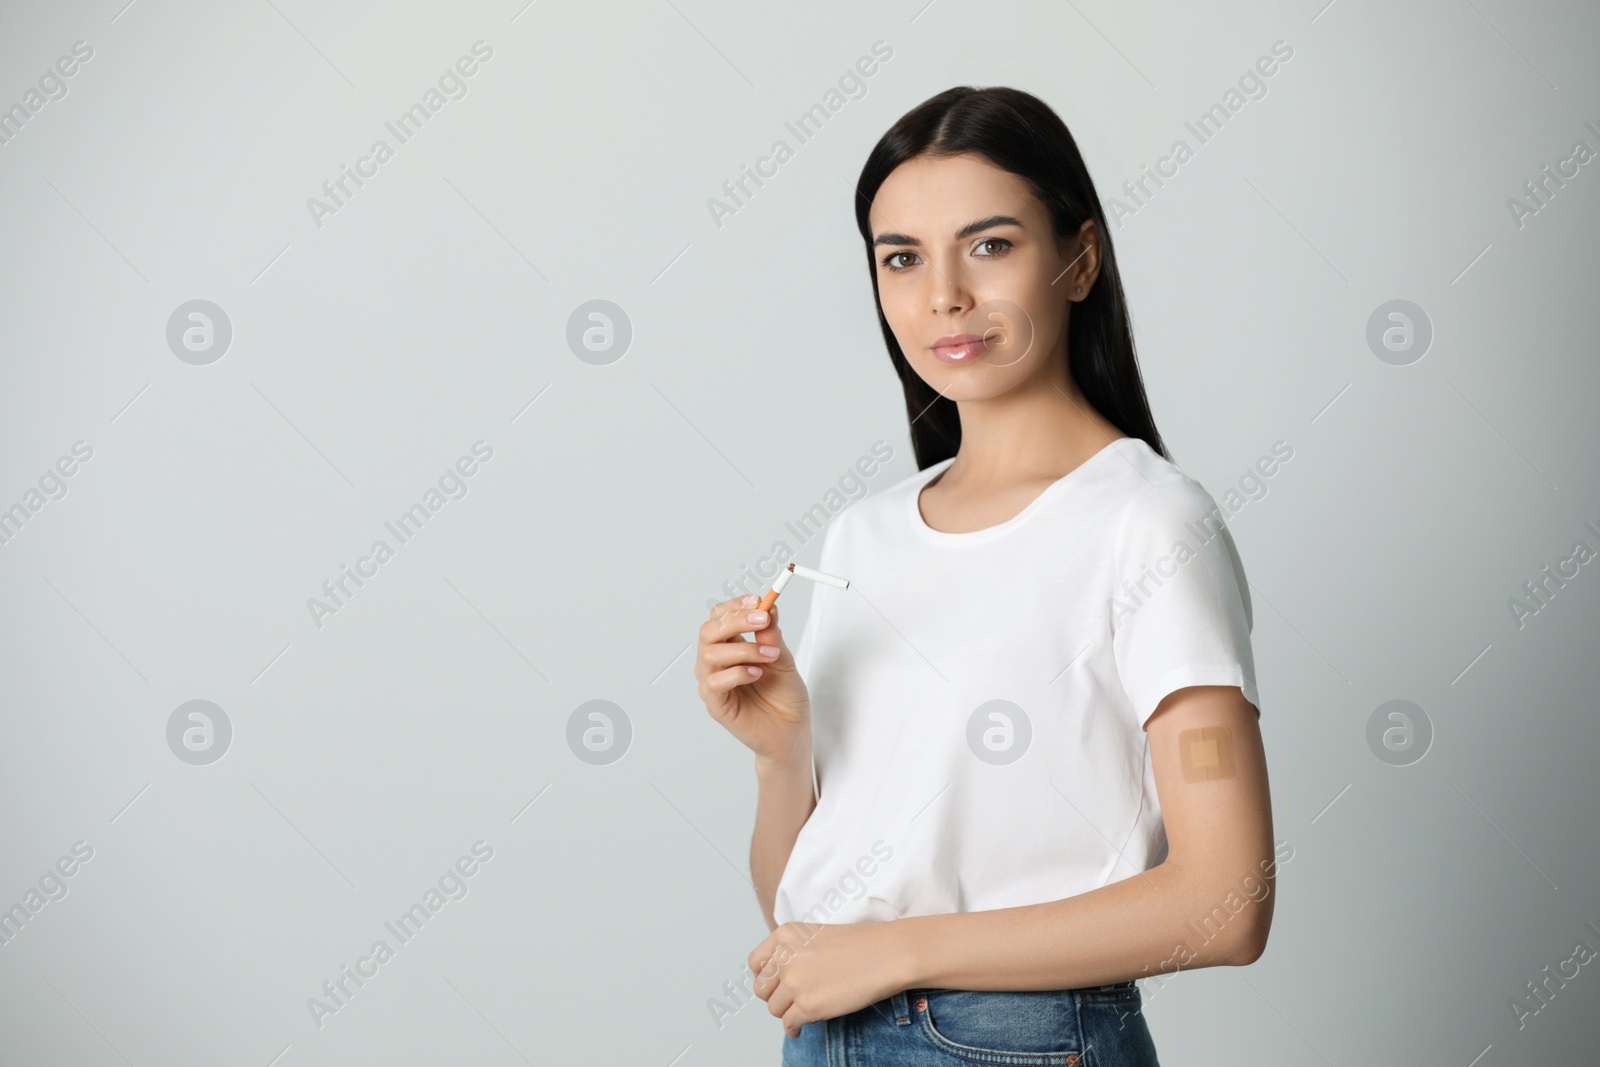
901 1003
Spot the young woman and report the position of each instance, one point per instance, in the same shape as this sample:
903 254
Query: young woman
1016 764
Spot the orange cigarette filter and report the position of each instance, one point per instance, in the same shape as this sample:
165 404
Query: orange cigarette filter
804 572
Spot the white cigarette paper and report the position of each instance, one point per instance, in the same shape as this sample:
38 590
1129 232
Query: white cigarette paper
805 572
818 576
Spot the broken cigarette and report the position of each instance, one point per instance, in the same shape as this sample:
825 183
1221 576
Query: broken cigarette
804 572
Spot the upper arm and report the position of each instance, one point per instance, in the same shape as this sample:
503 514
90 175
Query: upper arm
1181 640
1211 777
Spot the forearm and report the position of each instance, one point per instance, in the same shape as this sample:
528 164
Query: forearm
1162 920
784 804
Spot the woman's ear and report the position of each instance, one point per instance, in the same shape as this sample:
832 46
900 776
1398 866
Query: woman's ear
1084 254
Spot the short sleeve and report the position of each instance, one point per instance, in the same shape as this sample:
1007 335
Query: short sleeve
1180 606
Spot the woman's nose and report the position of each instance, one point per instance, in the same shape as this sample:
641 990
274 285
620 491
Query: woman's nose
949 292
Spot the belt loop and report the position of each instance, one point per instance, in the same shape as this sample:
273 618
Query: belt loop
902 1008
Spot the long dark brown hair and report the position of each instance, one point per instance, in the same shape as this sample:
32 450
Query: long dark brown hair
1017 132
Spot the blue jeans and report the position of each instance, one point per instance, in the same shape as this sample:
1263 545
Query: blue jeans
1098 1026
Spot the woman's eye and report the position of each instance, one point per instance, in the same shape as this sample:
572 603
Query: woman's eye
892 260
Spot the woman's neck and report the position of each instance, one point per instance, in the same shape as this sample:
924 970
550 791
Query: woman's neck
1040 430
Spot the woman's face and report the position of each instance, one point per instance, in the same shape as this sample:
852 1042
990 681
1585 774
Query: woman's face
964 250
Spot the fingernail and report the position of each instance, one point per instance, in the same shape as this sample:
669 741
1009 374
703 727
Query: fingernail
769 650
750 601
756 617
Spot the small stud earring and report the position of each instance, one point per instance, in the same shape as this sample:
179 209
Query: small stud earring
1080 290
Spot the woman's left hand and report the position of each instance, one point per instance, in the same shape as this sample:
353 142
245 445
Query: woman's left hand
811 971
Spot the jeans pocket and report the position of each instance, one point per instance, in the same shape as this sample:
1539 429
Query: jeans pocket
1025 1029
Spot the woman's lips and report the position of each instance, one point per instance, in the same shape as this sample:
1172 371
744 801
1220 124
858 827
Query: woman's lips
961 348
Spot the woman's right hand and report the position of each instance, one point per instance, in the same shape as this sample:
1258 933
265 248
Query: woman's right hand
768 710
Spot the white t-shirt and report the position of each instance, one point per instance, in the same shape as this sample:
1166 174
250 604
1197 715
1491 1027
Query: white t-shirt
978 699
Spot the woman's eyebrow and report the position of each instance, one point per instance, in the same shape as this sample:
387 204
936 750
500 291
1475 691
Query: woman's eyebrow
966 231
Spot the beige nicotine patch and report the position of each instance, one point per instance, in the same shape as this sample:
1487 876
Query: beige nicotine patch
1207 753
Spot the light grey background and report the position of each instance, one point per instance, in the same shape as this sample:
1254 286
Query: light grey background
431 311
